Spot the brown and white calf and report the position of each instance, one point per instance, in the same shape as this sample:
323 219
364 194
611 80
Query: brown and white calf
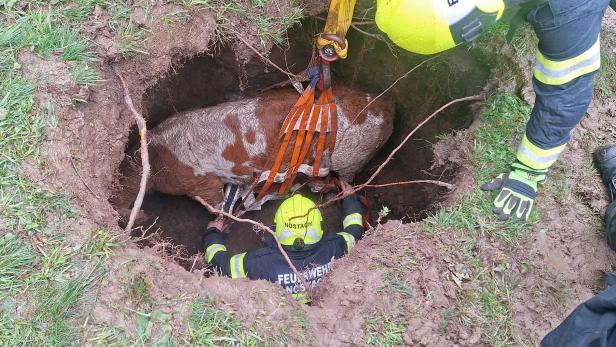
197 152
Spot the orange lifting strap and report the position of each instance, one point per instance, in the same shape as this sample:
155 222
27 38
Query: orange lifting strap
307 114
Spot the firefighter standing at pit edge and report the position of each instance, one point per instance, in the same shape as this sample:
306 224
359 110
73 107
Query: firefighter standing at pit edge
567 59
299 229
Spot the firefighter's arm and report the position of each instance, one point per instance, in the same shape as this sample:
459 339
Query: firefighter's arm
217 255
353 225
215 250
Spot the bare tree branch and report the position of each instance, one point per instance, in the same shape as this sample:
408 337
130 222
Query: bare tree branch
266 59
393 153
145 161
438 183
408 136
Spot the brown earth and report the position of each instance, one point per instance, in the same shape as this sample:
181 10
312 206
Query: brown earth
397 271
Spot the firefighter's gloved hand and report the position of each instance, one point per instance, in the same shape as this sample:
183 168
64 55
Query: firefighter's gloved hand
517 191
219 223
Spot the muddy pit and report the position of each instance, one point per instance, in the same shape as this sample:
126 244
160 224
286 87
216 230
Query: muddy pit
207 80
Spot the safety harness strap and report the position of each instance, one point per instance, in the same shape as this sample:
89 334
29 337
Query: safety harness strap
339 17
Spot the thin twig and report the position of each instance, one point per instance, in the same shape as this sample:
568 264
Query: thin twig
393 84
197 256
404 141
145 161
262 227
408 136
267 60
374 36
438 183
81 178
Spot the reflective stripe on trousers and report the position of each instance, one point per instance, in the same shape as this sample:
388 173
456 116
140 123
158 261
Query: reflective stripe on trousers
353 219
236 265
560 72
535 157
301 297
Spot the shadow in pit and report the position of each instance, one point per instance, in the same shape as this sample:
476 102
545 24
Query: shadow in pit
211 79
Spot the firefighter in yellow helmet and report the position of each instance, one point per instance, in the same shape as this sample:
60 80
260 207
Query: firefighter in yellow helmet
299 229
567 59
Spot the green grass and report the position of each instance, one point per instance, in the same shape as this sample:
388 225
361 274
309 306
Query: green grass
494 303
138 289
471 220
23 124
212 326
446 318
270 17
502 125
46 285
85 75
101 243
393 279
384 330
606 77
17 260
45 276
54 309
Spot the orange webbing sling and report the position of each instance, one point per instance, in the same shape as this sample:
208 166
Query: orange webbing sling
306 114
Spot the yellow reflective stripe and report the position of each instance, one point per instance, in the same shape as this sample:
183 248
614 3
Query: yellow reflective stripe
301 297
211 251
353 219
560 72
535 157
237 266
350 240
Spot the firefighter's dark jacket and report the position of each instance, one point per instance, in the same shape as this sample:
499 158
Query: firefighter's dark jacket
268 263
592 324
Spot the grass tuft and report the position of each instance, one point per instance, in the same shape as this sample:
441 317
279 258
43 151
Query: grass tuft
16 261
383 330
606 77
211 326
101 244
85 75
138 289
